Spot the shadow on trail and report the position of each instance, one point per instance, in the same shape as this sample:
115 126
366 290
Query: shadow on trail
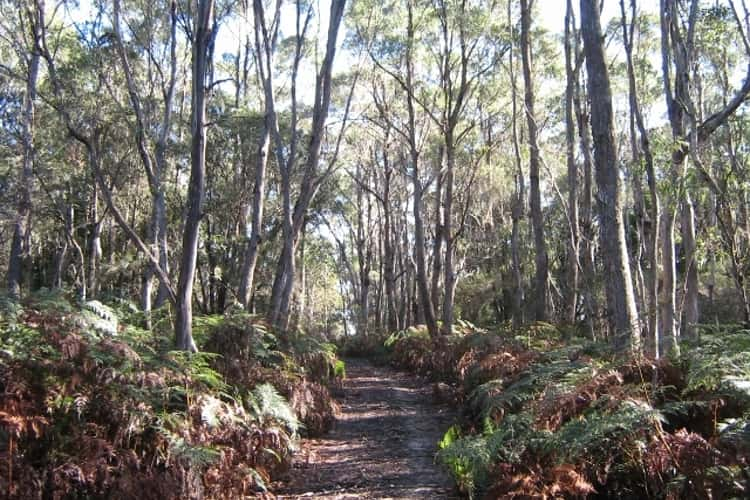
383 444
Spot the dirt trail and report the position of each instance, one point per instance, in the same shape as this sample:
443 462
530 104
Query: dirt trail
383 443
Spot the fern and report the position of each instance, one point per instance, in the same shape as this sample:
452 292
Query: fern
601 432
735 433
468 459
272 410
51 300
97 317
190 455
554 372
400 335
719 362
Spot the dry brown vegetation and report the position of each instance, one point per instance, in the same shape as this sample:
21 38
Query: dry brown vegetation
547 417
84 414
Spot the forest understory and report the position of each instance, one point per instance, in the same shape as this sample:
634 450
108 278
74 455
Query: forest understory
92 406
374 249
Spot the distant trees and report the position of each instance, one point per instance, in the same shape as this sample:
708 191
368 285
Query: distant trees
468 170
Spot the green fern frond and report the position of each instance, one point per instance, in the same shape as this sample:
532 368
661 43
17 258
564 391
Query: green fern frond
271 409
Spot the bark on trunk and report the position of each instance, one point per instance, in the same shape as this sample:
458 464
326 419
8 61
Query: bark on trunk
573 243
449 278
588 236
390 259
265 49
541 281
293 220
519 182
23 208
437 247
652 236
203 34
623 316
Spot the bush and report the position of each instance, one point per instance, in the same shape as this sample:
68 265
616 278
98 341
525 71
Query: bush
102 411
554 417
249 354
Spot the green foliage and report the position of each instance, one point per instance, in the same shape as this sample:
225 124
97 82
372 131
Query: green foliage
719 361
553 374
317 358
594 435
162 416
578 420
97 317
467 458
413 332
339 370
272 410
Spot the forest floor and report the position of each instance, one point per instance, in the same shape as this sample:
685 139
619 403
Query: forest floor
382 445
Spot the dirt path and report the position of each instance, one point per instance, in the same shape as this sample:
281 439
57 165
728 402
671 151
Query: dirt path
383 443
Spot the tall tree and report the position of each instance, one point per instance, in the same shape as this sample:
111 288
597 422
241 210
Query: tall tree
312 177
152 150
570 143
203 34
679 20
519 184
19 247
623 316
266 39
642 146
541 279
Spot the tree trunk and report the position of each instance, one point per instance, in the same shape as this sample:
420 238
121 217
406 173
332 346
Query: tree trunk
157 231
573 243
541 281
623 316
94 250
203 34
652 238
388 240
518 197
285 271
587 227
23 208
250 259
450 273
265 48
691 309
437 248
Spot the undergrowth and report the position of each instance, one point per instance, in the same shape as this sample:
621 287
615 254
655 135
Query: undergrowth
547 415
92 406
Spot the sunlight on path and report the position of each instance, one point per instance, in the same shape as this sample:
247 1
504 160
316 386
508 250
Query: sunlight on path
382 446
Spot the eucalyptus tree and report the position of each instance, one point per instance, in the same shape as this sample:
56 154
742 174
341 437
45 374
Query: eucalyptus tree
679 24
642 152
467 54
88 121
396 56
203 34
519 183
572 167
623 316
541 279
266 35
152 147
29 56
91 133
287 154
722 161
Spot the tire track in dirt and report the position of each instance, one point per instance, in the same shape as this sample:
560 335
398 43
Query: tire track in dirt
382 445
